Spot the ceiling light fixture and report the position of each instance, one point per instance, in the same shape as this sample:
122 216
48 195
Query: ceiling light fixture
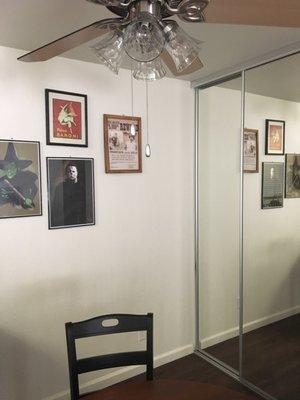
134 20
143 31
145 37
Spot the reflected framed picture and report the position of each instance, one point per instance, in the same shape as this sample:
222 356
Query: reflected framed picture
292 176
20 179
251 150
71 200
122 144
275 137
272 185
66 118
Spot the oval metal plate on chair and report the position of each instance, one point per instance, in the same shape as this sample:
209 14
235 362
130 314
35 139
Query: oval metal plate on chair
110 322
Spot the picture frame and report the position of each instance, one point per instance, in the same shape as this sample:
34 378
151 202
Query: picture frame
292 176
275 137
20 179
71 194
122 150
66 118
272 185
251 151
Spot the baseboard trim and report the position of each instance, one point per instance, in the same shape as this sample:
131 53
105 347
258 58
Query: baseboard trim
125 373
249 326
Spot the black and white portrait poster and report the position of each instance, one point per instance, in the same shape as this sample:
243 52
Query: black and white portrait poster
70 192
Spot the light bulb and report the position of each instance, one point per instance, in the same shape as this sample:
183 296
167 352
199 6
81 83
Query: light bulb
143 38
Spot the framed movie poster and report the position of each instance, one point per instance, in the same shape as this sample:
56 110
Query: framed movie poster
292 175
251 150
272 185
20 179
66 118
122 149
275 137
70 192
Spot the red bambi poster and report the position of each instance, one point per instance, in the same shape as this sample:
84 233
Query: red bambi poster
66 118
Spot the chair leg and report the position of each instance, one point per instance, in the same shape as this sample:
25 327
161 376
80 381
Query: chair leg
74 387
149 373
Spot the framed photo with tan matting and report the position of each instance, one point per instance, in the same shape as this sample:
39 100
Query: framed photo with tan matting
275 137
250 150
122 144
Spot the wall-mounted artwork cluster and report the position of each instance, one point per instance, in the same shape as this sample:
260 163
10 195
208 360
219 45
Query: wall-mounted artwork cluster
279 179
70 180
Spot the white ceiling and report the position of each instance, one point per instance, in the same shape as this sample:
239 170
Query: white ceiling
28 24
279 79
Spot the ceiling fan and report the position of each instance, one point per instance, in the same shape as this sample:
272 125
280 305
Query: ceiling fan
144 31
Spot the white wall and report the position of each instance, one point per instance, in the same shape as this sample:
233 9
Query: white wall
138 257
271 237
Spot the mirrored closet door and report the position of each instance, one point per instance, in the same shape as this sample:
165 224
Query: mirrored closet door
248 226
219 187
271 263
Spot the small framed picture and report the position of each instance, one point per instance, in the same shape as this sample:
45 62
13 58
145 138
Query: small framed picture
272 184
71 200
20 179
275 137
122 144
292 176
66 118
251 150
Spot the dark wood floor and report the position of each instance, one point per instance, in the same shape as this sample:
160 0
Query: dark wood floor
192 369
271 357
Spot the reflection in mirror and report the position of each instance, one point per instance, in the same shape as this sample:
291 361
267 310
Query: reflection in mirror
219 185
271 340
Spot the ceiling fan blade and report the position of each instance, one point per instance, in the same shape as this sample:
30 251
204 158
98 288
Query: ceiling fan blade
254 12
71 40
167 59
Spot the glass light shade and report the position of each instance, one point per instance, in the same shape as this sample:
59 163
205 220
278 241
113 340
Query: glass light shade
149 71
182 48
144 38
110 51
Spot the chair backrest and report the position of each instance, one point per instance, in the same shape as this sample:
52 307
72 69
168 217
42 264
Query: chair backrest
100 326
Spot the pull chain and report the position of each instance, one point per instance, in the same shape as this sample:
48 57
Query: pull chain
132 127
148 148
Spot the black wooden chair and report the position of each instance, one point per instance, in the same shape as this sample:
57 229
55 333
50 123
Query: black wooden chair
99 326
